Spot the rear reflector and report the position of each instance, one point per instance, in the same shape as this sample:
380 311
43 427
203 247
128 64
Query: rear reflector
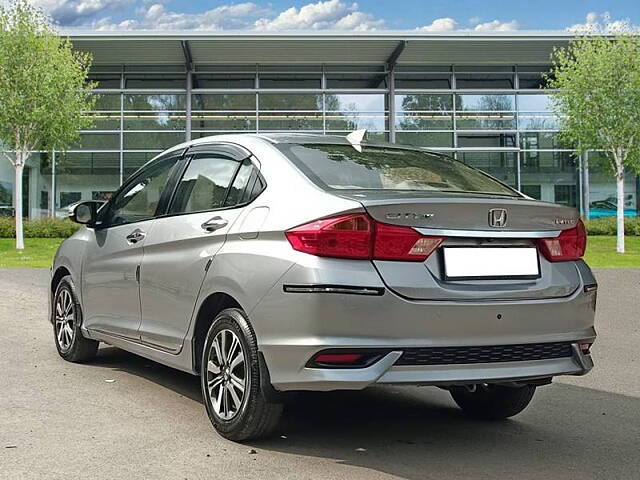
569 245
337 358
358 236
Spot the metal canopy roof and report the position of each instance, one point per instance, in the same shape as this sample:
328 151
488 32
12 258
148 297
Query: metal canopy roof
335 48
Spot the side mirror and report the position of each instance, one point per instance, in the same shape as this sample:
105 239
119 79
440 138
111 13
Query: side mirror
85 213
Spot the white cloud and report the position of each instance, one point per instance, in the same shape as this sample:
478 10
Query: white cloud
157 17
446 24
497 26
603 23
77 12
323 15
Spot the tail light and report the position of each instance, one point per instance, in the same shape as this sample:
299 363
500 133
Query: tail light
358 236
569 245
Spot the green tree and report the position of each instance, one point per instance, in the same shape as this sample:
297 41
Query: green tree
43 91
597 101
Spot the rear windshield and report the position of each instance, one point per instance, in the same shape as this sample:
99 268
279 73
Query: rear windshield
342 167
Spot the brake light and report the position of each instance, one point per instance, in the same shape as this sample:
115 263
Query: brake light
569 245
358 236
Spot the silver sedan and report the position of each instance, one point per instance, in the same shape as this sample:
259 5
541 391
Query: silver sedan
276 263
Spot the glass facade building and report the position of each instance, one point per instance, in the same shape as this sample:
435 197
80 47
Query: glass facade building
492 116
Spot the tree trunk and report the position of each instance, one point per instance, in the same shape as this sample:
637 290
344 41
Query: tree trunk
18 203
620 206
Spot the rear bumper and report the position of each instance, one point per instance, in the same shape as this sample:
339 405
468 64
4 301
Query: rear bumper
385 372
292 327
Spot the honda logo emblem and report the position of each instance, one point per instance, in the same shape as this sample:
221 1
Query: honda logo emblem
497 217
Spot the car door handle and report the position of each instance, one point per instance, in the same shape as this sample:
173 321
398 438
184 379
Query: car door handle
213 224
135 236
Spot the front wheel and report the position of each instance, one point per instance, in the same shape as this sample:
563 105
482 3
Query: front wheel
231 385
67 317
493 402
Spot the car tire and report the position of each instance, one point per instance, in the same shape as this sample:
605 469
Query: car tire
232 389
493 402
66 316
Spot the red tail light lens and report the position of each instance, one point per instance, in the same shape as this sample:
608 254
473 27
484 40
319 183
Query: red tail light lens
347 236
402 243
569 245
358 236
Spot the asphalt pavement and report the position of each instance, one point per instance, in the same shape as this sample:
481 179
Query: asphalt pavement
122 416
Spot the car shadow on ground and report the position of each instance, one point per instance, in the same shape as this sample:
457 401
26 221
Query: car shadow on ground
418 433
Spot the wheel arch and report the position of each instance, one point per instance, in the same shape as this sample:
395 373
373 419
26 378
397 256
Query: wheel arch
58 275
209 309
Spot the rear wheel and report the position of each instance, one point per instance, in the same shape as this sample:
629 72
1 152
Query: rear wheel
67 318
231 384
493 402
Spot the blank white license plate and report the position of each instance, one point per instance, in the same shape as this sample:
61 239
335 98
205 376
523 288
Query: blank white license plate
491 262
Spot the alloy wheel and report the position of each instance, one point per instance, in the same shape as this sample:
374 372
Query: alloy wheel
65 315
227 374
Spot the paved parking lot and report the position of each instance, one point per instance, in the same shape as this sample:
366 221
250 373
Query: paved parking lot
125 417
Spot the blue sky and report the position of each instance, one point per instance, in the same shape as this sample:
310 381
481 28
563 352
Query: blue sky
365 15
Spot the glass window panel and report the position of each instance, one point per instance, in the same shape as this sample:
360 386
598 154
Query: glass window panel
500 165
356 80
209 80
540 141
435 81
154 121
484 103
36 187
531 81
356 102
290 121
349 121
132 161
240 183
486 121
290 101
97 141
223 101
425 139
537 122
534 103
155 81
489 140
603 200
107 101
483 81
558 161
152 140
106 121
204 185
290 81
106 80
533 191
423 102
369 136
424 121
154 102
223 121
82 176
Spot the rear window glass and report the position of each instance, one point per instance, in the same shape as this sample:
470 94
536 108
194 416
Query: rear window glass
342 167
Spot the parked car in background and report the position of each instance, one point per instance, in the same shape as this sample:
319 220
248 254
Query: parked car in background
606 208
275 263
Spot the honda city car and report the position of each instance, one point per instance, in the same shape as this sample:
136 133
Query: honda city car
274 263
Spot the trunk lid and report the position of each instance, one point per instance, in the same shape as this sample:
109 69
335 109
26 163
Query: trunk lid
464 221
